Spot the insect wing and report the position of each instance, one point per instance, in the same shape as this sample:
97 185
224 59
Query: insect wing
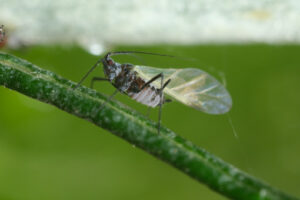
192 87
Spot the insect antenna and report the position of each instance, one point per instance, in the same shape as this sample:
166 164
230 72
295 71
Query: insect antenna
137 52
147 53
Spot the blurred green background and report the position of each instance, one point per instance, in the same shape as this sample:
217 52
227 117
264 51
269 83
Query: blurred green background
46 153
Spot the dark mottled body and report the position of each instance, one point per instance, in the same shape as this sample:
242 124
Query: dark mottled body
127 81
2 35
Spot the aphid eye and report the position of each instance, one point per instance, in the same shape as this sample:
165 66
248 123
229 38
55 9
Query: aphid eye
109 62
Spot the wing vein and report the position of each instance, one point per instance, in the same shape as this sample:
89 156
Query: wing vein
189 83
174 74
202 91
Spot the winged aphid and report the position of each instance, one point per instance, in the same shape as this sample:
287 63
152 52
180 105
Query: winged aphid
147 85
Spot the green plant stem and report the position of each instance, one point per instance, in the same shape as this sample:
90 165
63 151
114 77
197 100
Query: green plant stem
24 77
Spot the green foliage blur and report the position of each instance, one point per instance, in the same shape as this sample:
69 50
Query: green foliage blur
46 153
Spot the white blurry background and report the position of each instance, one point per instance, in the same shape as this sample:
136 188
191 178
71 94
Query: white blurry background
98 24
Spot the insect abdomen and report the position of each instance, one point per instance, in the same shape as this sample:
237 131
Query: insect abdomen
148 96
130 83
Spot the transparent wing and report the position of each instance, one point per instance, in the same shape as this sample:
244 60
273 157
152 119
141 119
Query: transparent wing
192 87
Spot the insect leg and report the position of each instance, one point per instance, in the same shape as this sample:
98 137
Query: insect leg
151 80
162 87
109 98
161 100
165 84
161 76
86 75
97 79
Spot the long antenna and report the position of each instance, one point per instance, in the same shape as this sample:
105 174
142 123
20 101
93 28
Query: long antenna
138 52
147 53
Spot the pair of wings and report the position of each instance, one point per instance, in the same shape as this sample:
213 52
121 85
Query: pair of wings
192 87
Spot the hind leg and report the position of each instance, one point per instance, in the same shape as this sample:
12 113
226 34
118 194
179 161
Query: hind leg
163 85
149 108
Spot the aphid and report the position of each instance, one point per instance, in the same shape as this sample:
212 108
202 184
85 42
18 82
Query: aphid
147 85
2 33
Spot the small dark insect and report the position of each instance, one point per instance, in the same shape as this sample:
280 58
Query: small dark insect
2 33
146 85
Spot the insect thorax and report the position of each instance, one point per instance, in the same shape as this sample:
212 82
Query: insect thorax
111 69
120 75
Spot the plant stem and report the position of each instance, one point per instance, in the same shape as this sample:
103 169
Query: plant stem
24 77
